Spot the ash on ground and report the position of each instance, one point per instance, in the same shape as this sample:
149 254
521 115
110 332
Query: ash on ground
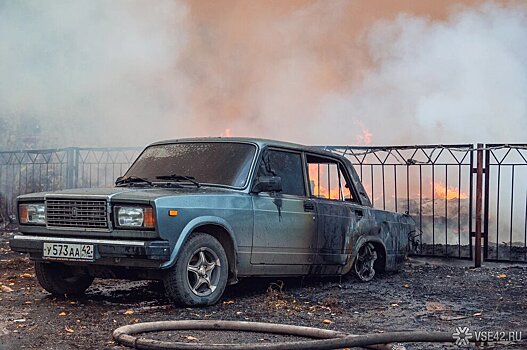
428 295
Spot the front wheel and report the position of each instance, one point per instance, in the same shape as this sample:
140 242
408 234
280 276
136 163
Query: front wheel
365 262
58 278
200 274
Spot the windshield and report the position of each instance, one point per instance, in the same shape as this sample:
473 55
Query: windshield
221 163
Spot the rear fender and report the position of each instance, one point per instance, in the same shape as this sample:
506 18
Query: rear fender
360 242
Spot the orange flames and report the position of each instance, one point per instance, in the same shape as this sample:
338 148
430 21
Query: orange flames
450 192
320 189
365 136
317 187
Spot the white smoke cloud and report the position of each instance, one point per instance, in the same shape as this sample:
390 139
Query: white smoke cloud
128 72
90 72
462 80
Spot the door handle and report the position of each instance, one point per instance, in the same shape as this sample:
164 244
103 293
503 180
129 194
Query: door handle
309 206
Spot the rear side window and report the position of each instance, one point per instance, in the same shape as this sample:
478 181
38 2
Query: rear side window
288 166
327 179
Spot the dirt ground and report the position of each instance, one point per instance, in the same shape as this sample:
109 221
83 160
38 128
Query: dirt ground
427 296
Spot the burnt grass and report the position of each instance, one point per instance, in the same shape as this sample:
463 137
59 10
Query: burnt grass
425 296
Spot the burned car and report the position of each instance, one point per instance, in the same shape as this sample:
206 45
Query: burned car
199 214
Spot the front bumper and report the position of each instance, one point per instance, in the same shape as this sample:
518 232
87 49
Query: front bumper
108 252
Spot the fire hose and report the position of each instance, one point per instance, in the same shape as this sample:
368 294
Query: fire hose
319 338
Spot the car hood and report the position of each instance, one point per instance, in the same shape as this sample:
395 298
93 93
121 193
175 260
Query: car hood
129 193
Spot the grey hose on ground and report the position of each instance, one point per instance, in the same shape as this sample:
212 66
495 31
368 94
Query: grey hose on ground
123 335
320 338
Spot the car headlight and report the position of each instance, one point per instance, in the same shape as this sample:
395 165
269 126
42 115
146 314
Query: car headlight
32 213
134 217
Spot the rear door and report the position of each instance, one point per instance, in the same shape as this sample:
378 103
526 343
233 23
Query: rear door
285 229
337 208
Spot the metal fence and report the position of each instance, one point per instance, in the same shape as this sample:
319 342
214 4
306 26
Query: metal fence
435 184
432 183
55 169
505 203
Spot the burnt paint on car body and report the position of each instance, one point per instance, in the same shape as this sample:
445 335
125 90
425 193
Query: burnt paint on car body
270 233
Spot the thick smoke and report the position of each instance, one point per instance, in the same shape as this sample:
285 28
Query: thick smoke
89 73
129 72
461 80
112 73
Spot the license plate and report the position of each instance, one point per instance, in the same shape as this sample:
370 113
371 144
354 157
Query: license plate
68 251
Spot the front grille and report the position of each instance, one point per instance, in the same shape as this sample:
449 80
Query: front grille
77 213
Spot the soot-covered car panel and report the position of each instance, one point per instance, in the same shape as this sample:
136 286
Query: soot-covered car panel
201 213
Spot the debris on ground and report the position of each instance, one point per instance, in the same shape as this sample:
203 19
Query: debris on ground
422 297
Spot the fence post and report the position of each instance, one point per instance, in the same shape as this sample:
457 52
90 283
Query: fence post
486 206
479 203
71 167
76 169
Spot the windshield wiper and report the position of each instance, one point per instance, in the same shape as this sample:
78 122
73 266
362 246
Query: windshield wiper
131 179
177 178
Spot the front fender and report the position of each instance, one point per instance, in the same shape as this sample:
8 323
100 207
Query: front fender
190 227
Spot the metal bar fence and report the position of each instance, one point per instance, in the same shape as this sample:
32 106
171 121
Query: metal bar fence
56 169
505 204
432 183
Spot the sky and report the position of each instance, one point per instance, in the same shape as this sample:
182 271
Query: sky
386 72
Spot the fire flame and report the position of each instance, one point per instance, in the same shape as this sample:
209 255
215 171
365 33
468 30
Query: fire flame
317 187
365 136
450 192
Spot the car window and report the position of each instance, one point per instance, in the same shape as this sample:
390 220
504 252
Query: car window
286 165
221 163
327 179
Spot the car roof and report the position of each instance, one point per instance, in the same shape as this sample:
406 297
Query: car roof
258 141
262 143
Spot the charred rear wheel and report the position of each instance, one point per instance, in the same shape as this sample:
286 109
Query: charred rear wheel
58 278
365 262
200 274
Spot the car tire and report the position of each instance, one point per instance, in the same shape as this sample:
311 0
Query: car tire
365 262
61 279
200 273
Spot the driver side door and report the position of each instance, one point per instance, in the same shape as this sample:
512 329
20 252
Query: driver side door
285 227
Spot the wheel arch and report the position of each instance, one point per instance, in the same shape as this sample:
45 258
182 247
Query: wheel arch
217 227
224 237
380 248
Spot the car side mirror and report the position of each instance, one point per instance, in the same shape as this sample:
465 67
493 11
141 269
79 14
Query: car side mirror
267 184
